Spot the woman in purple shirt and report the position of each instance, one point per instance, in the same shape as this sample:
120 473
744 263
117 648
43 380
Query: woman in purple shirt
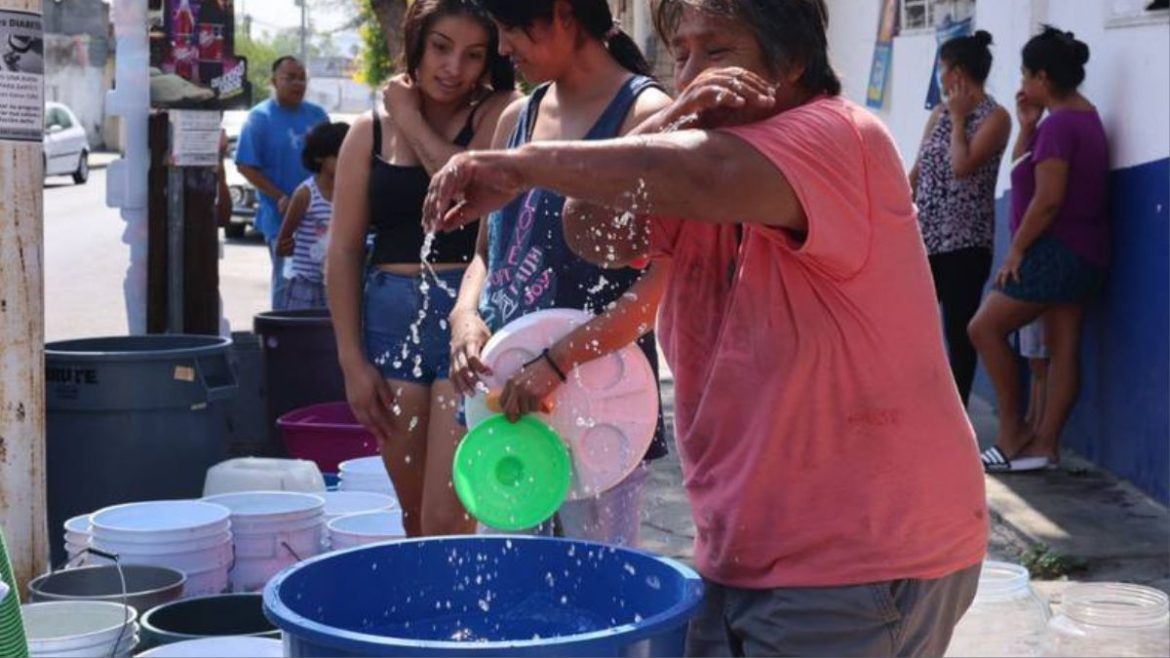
1059 249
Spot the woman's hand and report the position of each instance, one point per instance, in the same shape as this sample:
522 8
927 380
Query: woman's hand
961 100
1010 270
286 245
468 336
400 95
477 183
722 97
371 399
529 389
1027 113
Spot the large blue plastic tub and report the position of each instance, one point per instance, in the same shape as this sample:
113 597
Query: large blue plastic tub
484 596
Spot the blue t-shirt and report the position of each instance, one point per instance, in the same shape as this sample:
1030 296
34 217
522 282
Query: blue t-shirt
531 267
272 140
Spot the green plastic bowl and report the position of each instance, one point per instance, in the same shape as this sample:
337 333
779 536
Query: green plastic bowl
512 476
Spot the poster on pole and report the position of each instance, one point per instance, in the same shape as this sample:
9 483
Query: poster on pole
883 54
22 77
954 18
193 64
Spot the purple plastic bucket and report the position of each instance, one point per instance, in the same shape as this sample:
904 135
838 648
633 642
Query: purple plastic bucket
327 434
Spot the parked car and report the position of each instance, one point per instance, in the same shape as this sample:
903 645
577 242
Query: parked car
243 194
66 148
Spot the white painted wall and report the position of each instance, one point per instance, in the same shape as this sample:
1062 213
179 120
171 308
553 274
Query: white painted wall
1128 76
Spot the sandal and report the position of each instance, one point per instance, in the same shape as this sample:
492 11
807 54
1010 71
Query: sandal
994 461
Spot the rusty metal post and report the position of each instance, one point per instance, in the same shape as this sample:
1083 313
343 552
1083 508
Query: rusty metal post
22 320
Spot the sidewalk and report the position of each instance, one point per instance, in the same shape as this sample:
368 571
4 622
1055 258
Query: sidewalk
102 159
1071 525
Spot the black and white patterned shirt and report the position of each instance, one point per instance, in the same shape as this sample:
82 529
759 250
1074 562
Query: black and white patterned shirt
956 213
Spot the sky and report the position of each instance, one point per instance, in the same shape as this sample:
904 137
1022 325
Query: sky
279 14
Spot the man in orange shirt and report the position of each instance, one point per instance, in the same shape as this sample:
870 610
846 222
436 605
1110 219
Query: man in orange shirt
833 474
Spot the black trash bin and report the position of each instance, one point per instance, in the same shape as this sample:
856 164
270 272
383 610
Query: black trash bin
132 418
247 415
300 362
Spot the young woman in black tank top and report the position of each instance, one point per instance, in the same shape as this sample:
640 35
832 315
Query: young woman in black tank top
386 308
595 88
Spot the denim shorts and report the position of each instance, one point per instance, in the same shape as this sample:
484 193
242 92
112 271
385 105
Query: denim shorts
1051 273
404 326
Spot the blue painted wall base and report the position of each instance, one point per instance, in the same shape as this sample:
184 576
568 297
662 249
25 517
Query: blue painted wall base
1122 418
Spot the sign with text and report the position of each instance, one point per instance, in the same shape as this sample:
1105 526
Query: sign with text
22 77
883 54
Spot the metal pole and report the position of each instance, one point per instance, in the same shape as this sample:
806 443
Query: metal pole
175 261
22 297
304 28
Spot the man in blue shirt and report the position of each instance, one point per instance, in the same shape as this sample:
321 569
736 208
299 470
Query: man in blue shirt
269 155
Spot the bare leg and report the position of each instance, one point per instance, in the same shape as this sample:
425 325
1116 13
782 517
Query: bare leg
1038 392
405 455
999 316
1063 334
442 513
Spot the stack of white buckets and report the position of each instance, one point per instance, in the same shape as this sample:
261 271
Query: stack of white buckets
238 541
272 530
192 536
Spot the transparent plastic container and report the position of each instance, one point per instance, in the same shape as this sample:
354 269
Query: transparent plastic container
1110 619
1007 617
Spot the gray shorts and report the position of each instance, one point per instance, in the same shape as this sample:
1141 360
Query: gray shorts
898 618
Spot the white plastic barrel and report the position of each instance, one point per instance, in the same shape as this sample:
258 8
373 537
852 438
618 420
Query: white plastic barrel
365 528
271 530
263 474
80 629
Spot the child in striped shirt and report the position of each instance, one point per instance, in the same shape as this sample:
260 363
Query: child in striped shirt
304 235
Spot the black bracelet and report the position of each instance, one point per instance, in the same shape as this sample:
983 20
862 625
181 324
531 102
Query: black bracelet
553 365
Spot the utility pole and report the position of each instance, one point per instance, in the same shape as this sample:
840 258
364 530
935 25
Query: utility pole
22 294
304 29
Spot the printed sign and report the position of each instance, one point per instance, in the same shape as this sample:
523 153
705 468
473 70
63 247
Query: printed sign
883 54
953 19
195 138
22 77
192 56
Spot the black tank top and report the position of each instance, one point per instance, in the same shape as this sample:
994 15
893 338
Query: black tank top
396 194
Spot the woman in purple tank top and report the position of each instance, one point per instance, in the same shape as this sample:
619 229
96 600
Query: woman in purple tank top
1059 249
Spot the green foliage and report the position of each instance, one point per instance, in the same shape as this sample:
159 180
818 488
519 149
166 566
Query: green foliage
375 65
1043 563
264 49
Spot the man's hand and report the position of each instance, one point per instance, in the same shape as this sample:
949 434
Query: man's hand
470 186
722 97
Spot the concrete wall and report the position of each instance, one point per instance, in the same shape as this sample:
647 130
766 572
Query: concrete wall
1122 419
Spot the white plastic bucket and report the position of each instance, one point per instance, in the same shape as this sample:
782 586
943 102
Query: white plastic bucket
263 474
207 582
271 530
219 647
365 474
176 556
341 503
366 528
80 628
161 521
77 531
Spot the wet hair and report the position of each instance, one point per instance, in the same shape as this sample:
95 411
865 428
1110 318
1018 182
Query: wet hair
594 17
421 18
789 32
322 141
971 54
1060 55
281 60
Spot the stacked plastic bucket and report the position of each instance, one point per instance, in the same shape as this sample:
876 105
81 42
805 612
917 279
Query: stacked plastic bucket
77 531
365 474
191 536
365 528
80 628
271 530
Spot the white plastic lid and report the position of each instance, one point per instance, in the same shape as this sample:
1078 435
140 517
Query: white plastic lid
338 503
606 412
160 516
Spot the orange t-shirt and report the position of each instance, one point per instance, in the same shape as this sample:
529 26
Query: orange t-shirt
822 439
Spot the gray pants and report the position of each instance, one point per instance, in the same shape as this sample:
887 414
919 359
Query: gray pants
898 618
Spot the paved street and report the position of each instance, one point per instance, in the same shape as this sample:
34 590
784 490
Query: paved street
86 260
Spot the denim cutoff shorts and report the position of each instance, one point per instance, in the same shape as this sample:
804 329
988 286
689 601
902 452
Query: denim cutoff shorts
404 325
